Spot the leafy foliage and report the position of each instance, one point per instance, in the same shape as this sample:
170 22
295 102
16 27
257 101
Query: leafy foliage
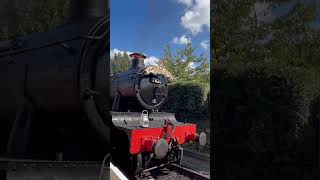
188 100
266 83
32 16
185 66
242 34
266 109
120 62
188 92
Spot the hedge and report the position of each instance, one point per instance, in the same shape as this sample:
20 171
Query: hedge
188 100
261 112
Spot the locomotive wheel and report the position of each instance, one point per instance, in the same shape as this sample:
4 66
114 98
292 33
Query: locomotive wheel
136 164
179 154
175 155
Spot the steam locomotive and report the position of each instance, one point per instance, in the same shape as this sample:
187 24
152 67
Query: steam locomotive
151 137
55 104
54 89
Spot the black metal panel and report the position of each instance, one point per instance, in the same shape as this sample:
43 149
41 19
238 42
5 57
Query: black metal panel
48 75
53 170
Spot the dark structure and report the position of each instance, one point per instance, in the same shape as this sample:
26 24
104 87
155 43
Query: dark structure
55 88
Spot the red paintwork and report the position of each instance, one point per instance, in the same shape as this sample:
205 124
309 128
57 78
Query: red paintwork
147 144
142 140
191 137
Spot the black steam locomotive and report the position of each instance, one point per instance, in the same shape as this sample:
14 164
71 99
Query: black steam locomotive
55 89
146 137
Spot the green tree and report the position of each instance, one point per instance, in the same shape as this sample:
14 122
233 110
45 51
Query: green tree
27 17
241 33
265 75
185 65
120 62
295 42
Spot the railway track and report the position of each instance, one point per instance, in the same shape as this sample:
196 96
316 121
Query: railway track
174 171
193 166
192 174
199 162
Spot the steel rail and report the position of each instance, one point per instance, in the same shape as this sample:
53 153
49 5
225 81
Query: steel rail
188 172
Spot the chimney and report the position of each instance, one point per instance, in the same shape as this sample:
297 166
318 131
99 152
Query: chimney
80 10
137 60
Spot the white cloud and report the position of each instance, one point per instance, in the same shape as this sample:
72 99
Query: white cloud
186 2
151 61
204 44
197 15
181 40
115 51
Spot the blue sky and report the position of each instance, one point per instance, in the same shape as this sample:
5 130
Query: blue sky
148 25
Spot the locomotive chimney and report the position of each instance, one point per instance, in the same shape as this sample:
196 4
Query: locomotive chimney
80 10
137 60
